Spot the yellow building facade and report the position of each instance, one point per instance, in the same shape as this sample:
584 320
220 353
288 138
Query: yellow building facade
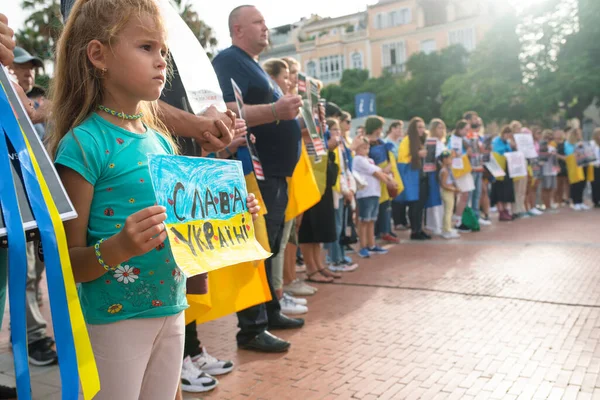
383 37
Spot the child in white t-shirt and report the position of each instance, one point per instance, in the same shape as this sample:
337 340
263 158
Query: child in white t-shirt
367 197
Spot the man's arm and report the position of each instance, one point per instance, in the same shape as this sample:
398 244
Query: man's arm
213 130
285 109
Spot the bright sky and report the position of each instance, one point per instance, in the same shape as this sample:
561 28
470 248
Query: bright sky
284 12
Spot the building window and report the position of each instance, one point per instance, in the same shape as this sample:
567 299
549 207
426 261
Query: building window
311 69
357 61
428 46
379 21
399 17
464 37
394 56
331 68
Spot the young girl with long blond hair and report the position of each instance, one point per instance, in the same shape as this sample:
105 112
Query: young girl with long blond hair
111 68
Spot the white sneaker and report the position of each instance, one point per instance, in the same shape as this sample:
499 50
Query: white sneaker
535 211
299 288
484 222
494 210
584 207
211 365
288 307
296 300
195 381
554 206
450 235
577 207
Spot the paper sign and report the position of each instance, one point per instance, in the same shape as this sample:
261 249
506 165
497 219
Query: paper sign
195 70
517 165
208 223
239 101
494 168
315 146
457 163
525 144
430 165
302 86
456 144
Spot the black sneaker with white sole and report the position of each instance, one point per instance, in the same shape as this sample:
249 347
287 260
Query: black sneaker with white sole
41 353
7 393
195 381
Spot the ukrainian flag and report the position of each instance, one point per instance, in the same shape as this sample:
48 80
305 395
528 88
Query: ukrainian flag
383 156
239 286
303 190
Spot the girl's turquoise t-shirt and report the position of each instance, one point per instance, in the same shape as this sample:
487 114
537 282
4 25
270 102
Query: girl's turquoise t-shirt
115 162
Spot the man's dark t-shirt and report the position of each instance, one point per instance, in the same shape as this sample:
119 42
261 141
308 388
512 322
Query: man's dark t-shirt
278 145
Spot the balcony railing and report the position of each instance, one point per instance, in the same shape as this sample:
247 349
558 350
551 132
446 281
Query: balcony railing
394 69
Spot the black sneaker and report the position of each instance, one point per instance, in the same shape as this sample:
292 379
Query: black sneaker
463 229
7 393
41 353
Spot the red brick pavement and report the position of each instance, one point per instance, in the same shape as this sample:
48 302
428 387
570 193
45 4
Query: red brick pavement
508 313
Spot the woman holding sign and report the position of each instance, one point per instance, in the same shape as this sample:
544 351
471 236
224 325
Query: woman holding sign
503 192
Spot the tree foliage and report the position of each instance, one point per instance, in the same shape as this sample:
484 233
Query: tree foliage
42 27
417 92
201 30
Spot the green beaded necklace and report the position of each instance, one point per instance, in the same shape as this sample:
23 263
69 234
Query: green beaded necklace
120 114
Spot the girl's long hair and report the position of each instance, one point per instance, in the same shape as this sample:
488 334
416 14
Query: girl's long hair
77 89
415 142
433 125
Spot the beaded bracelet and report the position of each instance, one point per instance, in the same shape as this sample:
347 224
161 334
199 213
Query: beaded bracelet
274 113
99 257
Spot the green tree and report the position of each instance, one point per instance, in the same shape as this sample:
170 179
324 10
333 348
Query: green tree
493 84
42 27
201 30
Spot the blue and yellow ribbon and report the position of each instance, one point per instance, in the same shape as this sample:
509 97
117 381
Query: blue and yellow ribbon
17 257
73 344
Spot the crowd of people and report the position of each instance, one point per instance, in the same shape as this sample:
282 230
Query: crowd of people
109 107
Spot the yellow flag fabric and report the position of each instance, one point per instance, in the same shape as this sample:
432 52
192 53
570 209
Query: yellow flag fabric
576 173
320 172
338 185
466 167
501 160
404 151
385 196
237 287
303 192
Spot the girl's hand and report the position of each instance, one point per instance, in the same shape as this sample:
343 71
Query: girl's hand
143 231
241 128
423 153
253 206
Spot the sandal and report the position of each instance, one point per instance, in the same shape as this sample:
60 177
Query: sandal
330 274
313 277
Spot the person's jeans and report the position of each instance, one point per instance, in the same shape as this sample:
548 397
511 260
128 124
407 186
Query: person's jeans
448 198
596 186
475 195
399 213
336 250
277 261
383 226
254 320
36 324
416 208
191 346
